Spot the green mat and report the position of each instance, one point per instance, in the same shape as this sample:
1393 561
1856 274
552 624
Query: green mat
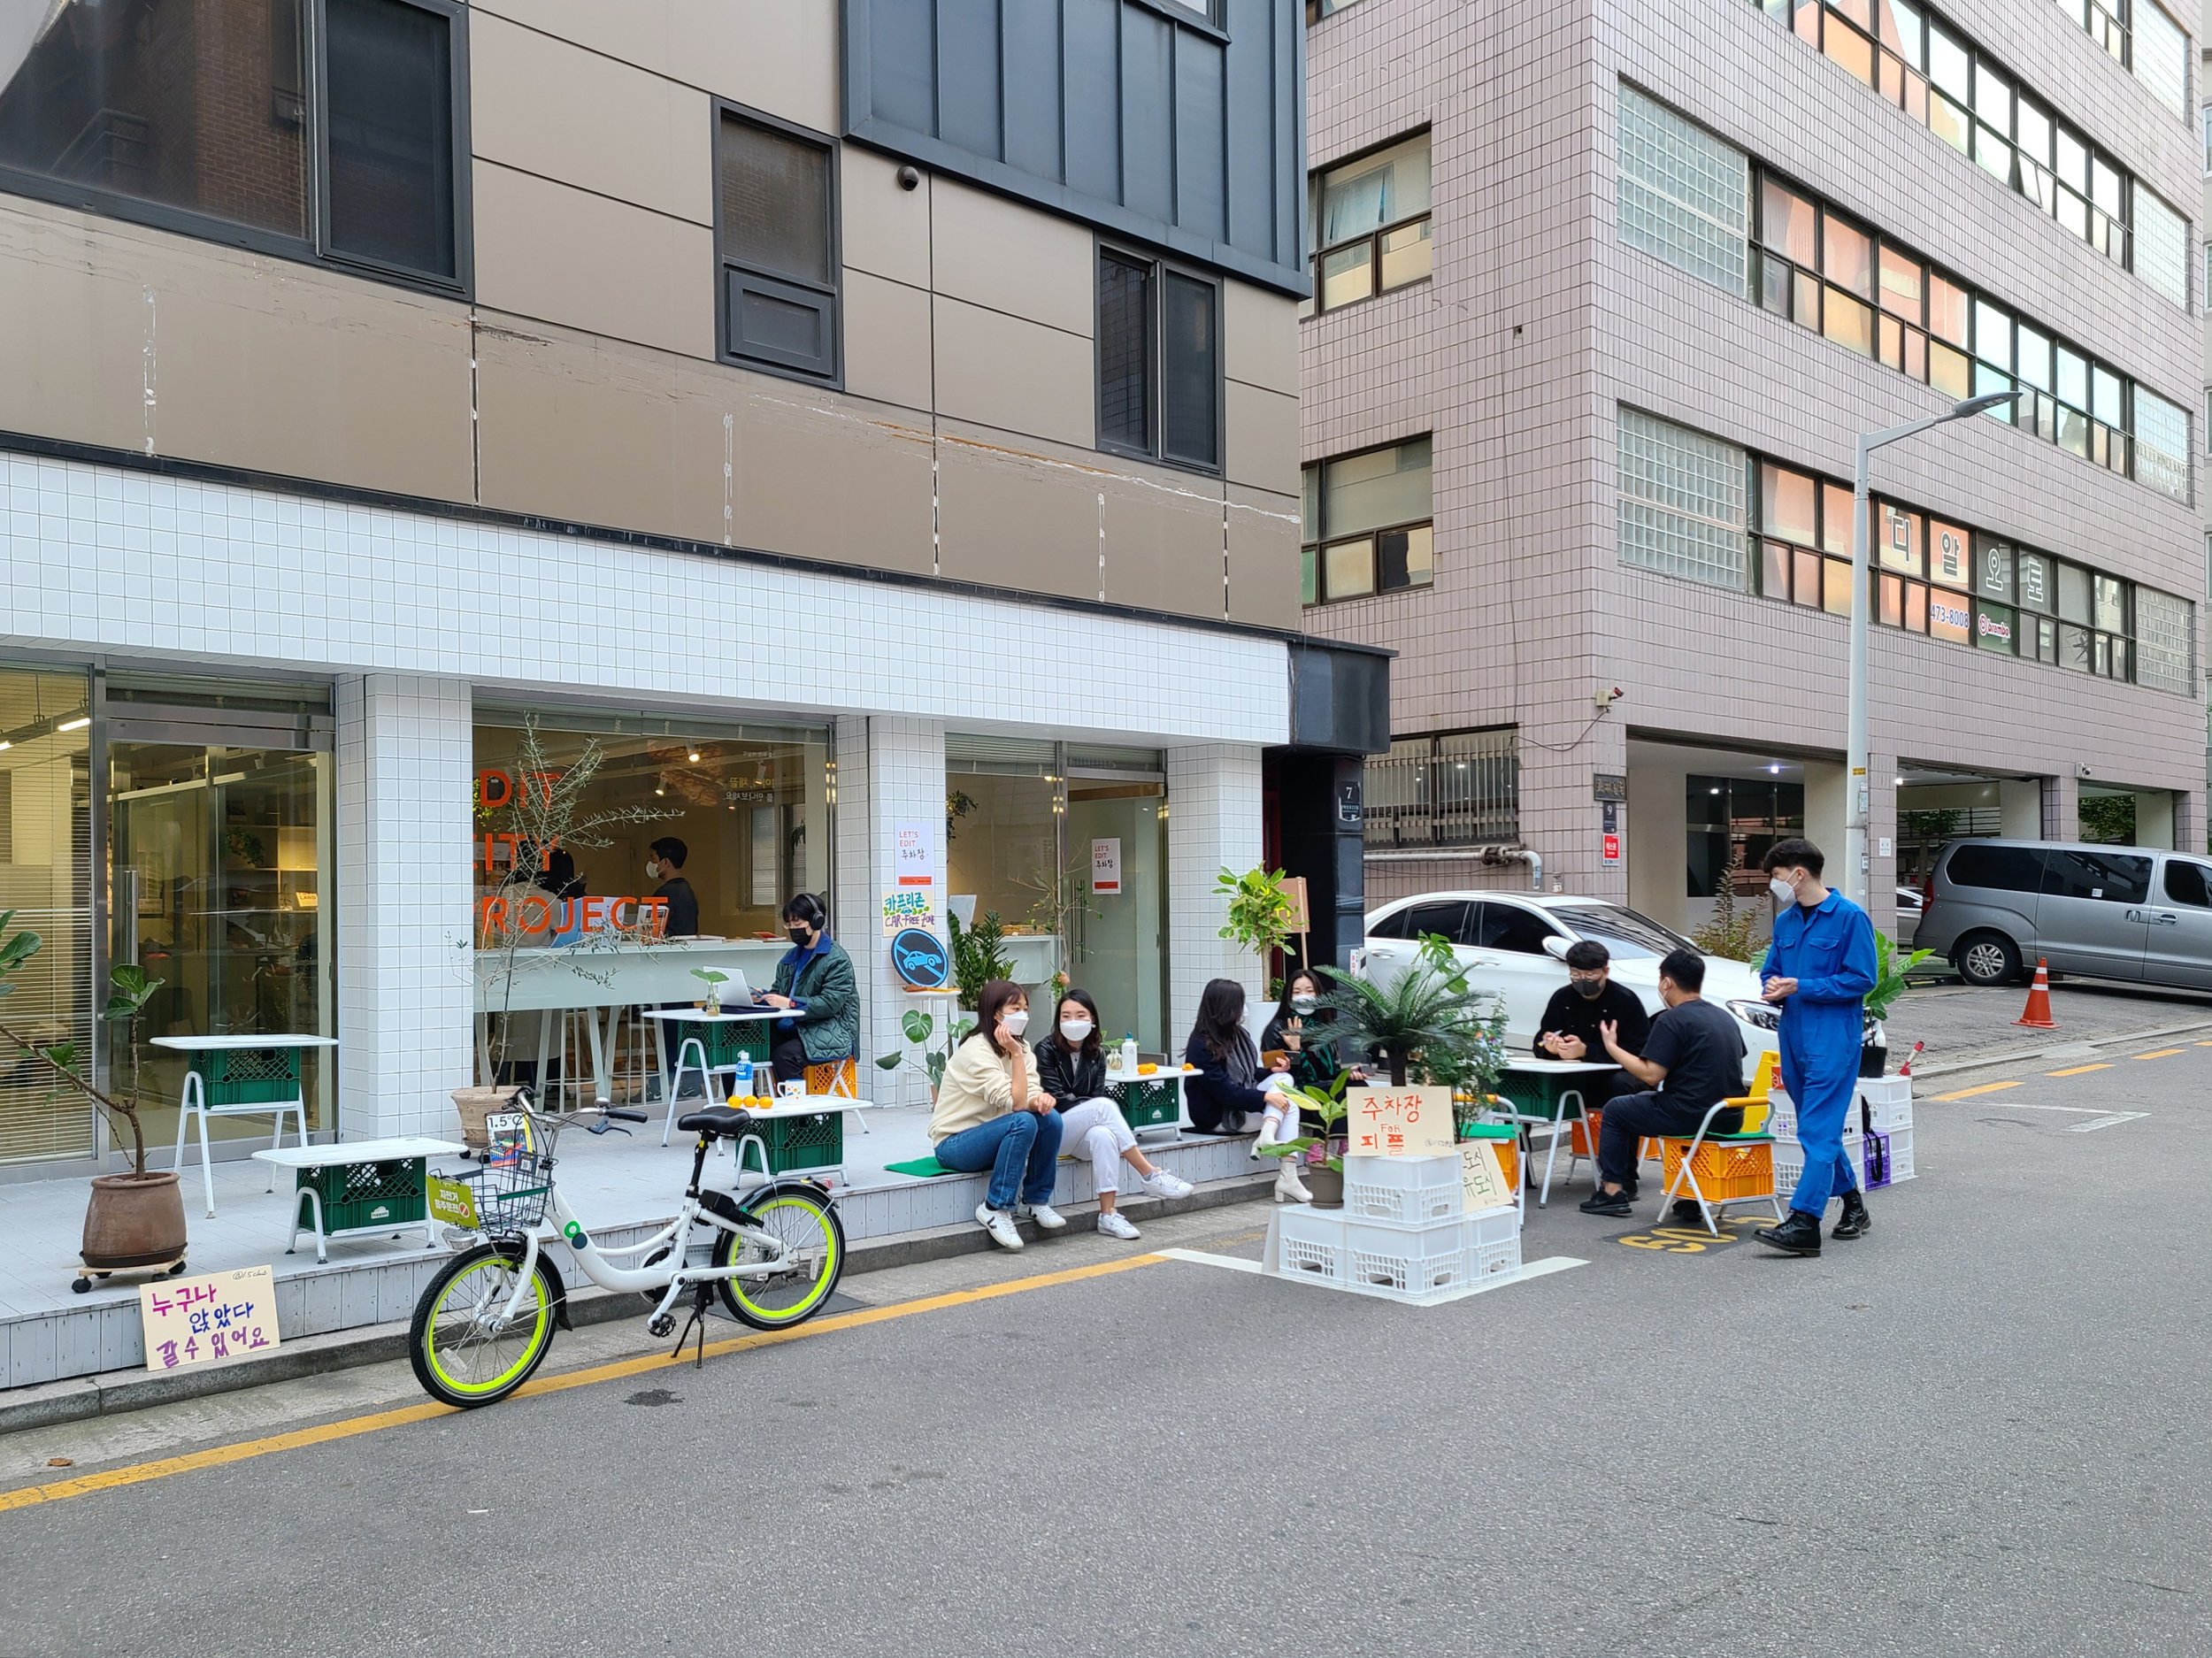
922 1168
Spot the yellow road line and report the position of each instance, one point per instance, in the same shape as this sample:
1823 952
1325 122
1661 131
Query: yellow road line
1982 1087
140 1473
2083 1071
2162 1053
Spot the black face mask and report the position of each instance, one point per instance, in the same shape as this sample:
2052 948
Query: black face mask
801 937
1590 989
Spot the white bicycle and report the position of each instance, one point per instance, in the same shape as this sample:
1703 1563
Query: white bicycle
487 1319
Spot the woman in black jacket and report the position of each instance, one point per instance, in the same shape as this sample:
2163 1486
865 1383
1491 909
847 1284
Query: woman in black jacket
1072 1067
1300 1030
1230 1087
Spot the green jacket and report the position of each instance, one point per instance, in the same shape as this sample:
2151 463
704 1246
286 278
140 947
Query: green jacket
828 1014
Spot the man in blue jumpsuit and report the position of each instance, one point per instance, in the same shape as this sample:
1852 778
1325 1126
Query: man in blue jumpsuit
1818 973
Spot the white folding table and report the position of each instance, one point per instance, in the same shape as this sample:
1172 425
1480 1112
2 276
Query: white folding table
403 1217
692 1044
195 1101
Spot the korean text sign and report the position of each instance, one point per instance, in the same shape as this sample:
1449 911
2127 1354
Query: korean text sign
199 1321
1409 1122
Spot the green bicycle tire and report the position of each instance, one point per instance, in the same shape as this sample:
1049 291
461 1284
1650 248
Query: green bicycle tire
485 1274
805 1221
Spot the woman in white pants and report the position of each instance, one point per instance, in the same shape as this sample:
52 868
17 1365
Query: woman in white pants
1072 1067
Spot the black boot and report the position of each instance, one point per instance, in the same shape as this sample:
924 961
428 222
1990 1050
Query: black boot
1798 1235
1854 1221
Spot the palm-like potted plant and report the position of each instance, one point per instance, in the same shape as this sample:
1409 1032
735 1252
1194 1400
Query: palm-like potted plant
134 1219
1428 1019
1890 970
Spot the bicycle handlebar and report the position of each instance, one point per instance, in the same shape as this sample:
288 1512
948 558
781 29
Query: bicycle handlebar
615 1113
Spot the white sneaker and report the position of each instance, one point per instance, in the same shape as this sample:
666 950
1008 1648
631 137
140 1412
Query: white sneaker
1000 1224
1160 1182
1114 1224
1048 1218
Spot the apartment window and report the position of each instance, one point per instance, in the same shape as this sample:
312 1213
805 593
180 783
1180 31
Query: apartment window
1316 9
2106 22
1369 524
2163 458
776 239
313 129
1685 195
2161 247
2205 116
2161 56
2164 651
1369 221
1159 361
1461 788
1681 501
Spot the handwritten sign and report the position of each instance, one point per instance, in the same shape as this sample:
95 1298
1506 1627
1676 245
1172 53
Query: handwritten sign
913 854
909 908
1106 865
1409 1122
1482 1177
199 1321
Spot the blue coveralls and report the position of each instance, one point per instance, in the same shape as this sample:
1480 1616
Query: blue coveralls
1831 955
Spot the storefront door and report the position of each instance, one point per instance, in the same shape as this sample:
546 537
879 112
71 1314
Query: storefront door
1119 955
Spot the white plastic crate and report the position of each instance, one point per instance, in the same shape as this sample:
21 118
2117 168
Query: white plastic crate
1888 1102
1311 1242
1781 1119
1789 1161
1494 1241
1409 1261
1403 1191
1899 1141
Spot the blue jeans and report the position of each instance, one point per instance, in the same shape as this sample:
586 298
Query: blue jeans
1018 1148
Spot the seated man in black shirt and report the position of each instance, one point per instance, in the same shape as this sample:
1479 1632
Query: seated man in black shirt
1691 1060
1575 1014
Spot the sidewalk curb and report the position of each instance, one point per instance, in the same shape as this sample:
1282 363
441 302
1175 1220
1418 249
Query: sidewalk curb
2018 1056
113 1392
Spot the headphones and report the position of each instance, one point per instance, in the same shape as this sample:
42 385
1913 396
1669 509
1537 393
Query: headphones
807 908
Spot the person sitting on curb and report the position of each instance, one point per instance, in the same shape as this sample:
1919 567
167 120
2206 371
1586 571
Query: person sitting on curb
1072 1067
1300 1032
990 1115
1228 1090
1693 1060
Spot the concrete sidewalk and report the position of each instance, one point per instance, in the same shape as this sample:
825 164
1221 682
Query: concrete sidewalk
1965 1027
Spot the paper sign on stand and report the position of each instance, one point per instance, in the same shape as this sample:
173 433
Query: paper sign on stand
1482 1177
197 1321
1408 1122
1106 865
913 854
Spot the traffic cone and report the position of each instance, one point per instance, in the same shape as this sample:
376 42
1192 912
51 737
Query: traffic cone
2037 1016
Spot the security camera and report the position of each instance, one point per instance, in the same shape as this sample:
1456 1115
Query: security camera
1606 696
908 179
2082 770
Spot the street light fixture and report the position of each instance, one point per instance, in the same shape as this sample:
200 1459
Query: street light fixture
1854 741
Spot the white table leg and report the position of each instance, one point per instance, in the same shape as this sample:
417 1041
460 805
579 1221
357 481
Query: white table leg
184 1118
322 1249
546 1019
207 1167
602 1087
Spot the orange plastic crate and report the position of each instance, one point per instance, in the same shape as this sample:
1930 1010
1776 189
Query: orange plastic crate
833 1076
1725 1170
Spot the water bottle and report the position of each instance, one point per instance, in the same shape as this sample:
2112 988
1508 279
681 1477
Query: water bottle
741 1076
1128 1055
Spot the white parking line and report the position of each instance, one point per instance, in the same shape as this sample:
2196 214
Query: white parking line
2104 1118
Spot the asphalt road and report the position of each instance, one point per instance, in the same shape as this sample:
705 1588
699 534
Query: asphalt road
1979 1430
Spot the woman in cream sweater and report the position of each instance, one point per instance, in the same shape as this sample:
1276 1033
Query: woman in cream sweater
992 1115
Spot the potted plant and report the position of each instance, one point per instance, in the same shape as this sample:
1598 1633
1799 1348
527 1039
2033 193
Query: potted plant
918 1028
1320 1155
977 958
134 1219
1259 910
714 979
1427 1019
1890 975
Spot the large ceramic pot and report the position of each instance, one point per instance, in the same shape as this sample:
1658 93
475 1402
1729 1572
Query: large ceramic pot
1326 1185
133 1220
476 1103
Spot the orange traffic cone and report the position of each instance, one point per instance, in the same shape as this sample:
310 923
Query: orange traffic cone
2037 1016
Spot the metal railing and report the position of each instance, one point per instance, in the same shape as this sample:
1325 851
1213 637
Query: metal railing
1457 789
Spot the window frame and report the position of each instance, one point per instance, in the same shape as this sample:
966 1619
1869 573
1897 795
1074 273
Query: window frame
1324 540
1156 360
834 292
312 249
1315 305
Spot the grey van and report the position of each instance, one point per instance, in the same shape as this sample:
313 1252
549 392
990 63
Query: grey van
2116 912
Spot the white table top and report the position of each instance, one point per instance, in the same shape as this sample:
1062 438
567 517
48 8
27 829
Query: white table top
1557 1067
216 1044
804 1105
359 1151
727 1016
1165 1073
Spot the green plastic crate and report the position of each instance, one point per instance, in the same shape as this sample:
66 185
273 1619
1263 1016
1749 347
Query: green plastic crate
359 1194
1147 1102
249 1075
1537 1095
796 1143
726 1044
1490 1130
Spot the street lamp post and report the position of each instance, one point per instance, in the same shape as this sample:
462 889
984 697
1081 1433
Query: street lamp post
1855 743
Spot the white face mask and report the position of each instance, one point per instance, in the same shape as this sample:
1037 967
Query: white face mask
1076 1030
652 869
1785 892
1304 1004
1016 1022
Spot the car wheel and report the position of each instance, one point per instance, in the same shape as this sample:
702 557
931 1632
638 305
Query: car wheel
1987 959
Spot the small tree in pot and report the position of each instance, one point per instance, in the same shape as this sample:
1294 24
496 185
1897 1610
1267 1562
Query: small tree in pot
1427 1019
134 1219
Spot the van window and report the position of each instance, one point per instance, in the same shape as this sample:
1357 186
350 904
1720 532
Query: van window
2189 884
1509 927
2006 869
2113 876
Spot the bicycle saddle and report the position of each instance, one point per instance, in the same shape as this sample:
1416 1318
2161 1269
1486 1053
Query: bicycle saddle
716 1121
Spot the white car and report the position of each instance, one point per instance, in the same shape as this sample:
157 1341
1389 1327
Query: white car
1512 943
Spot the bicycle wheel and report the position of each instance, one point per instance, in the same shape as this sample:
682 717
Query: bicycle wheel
813 1239
464 1352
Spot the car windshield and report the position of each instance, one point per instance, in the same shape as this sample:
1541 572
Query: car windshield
1624 933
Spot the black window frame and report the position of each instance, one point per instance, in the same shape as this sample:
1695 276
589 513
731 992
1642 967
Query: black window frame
1162 270
1314 304
1315 540
313 248
733 276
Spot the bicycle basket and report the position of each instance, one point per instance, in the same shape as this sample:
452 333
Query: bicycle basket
511 1188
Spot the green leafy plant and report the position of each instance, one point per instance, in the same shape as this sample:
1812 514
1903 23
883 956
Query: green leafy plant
132 989
1890 973
2108 819
958 804
1427 1019
977 957
918 1028
712 978
1728 934
1259 911
1326 1106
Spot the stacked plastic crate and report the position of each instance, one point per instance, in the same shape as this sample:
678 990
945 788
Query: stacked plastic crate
1876 1135
1789 1153
1404 1232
